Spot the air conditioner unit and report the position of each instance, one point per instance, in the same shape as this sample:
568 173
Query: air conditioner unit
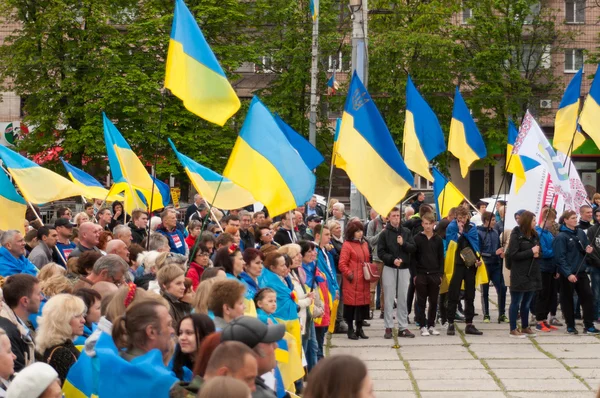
546 104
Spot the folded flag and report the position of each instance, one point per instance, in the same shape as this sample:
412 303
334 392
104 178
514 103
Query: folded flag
589 119
193 73
465 142
565 124
13 206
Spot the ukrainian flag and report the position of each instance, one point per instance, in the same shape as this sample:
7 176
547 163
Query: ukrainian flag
423 137
13 206
515 163
366 151
465 142
37 184
314 8
266 164
93 188
194 74
311 156
445 193
231 196
565 124
165 193
129 174
289 362
589 119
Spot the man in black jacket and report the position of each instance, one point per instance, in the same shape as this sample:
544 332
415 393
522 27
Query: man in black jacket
246 231
285 234
139 226
394 248
193 208
593 262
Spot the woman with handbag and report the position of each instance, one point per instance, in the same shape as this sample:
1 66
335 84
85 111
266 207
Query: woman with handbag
356 280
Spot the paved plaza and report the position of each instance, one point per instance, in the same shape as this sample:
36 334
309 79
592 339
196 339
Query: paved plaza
493 365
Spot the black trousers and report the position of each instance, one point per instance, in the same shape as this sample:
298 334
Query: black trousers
544 297
427 288
586 298
356 314
443 306
462 273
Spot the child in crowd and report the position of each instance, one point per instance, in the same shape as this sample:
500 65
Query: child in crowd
266 305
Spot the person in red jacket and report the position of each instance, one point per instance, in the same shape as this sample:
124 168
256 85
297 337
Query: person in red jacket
198 264
356 292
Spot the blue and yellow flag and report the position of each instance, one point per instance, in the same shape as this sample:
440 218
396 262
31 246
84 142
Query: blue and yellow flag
565 124
366 151
266 164
314 8
37 184
129 174
311 156
13 206
194 74
445 193
423 136
515 163
93 188
589 119
465 142
230 196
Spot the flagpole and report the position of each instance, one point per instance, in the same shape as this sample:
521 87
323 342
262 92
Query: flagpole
213 216
195 247
314 74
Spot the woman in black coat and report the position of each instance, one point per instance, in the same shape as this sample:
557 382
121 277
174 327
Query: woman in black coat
525 276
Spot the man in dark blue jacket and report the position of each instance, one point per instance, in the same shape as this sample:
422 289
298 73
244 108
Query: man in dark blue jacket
570 248
492 252
169 229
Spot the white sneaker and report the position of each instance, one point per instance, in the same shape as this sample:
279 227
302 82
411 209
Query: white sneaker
424 331
433 332
445 325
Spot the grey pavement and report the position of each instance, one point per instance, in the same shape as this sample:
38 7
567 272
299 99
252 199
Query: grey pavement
552 364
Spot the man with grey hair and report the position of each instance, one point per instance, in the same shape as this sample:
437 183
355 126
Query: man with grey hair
158 243
246 231
408 213
193 208
110 268
89 237
123 232
118 247
338 214
12 255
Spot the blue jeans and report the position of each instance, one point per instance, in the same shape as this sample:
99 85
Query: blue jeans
495 275
519 301
309 344
594 273
320 333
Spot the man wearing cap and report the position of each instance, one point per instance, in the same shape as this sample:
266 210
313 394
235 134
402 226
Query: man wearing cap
64 229
311 222
263 340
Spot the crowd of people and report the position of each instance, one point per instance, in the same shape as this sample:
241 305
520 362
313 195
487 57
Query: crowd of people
221 296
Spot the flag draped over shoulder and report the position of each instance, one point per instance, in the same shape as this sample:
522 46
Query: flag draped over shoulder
230 195
365 149
565 124
13 206
445 193
465 142
193 73
423 136
589 119
267 165
37 184
93 188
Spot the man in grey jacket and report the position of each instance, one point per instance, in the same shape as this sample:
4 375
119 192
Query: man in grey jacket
374 228
42 253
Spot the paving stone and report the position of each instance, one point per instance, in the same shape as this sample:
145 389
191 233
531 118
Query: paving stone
546 363
573 351
581 363
493 340
395 394
444 364
393 385
531 394
381 353
448 352
388 374
489 351
458 385
553 385
452 394
384 365
587 373
454 374
564 339
533 373
371 342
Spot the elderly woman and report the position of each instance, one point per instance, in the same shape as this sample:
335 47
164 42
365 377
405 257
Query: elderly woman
61 322
355 289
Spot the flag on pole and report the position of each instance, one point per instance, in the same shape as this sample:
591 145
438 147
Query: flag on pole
314 8
13 206
93 188
194 74
589 119
230 196
445 193
266 164
311 156
565 124
365 149
37 184
515 163
423 136
332 84
465 142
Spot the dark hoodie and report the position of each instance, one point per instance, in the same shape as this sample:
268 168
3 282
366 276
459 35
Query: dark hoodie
137 234
389 250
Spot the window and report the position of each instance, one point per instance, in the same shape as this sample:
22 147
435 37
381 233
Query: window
339 62
534 12
575 11
573 60
422 183
467 13
265 65
533 57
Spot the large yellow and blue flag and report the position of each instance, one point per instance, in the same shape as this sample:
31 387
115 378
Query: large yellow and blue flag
423 136
565 124
589 119
266 164
194 74
129 174
311 156
515 163
13 206
445 193
37 184
93 188
365 149
230 195
465 141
